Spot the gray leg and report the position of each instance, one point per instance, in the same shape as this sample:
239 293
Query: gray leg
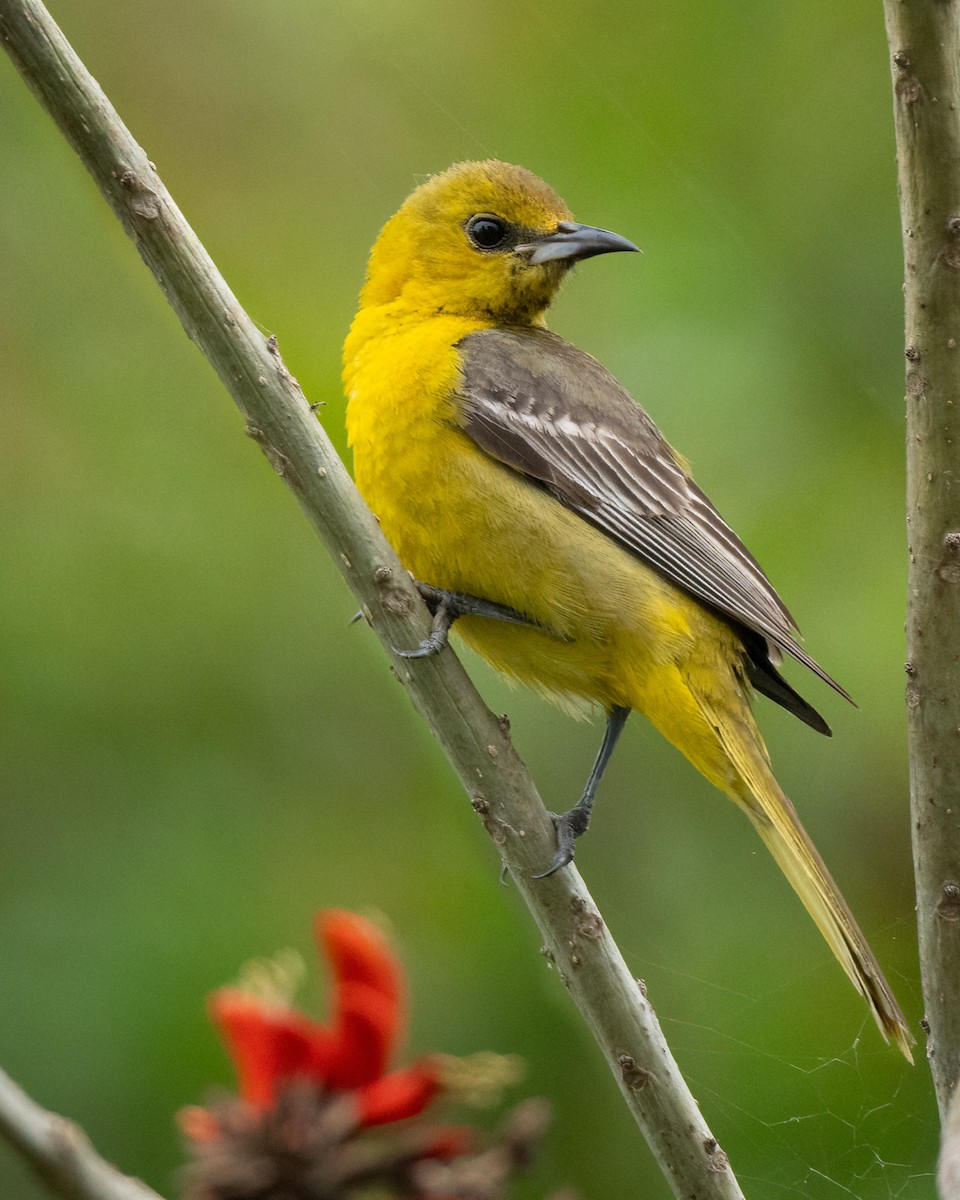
447 607
570 825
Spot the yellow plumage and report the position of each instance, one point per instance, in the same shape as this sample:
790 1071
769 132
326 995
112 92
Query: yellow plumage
616 632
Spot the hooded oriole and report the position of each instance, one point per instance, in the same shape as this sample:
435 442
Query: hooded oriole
517 478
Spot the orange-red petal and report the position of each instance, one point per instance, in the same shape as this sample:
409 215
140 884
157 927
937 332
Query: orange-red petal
367 1000
450 1141
359 952
268 1045
199 1124
362 1037
399 1095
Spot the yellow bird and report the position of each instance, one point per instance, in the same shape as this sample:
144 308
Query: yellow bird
537 502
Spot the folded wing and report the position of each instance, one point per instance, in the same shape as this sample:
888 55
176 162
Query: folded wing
546 409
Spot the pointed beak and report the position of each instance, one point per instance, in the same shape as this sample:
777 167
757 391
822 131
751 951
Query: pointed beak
573 242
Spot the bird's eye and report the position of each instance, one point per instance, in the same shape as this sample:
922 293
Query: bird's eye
487 232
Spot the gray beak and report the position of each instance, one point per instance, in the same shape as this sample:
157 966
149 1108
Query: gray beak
573 242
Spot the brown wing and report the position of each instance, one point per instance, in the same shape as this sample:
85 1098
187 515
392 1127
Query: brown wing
553 413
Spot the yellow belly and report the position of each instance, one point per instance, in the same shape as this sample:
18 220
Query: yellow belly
615 632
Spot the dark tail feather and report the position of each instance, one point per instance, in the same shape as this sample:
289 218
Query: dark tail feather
769 682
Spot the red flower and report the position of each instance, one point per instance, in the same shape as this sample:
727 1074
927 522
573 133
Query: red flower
310 1092
272 1044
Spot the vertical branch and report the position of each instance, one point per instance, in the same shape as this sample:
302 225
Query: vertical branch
924 37
948 1166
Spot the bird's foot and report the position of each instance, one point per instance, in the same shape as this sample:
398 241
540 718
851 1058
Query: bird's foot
569 826
446 607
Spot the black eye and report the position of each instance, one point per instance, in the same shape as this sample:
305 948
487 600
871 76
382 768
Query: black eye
487 232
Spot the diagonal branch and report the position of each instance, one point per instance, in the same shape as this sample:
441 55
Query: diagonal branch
60 1153
279 419
924 37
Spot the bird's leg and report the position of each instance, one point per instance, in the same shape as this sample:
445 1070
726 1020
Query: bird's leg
446 607
570 825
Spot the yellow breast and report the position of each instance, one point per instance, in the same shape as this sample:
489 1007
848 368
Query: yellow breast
462 521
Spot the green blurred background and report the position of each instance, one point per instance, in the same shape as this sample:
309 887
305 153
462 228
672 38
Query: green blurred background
196 751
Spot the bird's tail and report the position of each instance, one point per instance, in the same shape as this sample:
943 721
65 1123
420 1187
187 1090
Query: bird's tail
775 819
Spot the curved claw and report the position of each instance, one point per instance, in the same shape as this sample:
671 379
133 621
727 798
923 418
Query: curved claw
447 607
433 643
569 826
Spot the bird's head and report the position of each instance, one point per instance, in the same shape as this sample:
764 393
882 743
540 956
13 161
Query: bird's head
483 239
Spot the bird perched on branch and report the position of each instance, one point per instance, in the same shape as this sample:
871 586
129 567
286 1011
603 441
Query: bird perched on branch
540 506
